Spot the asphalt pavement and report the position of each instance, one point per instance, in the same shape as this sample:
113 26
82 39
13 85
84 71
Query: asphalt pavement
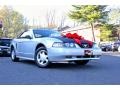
100 72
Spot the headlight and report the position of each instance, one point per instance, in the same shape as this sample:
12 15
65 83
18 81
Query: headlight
60 44
57 44
96 46
0 49
69 45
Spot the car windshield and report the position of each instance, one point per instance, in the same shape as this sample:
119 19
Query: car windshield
46 33
5 42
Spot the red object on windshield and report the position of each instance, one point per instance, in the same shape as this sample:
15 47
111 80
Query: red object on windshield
78 38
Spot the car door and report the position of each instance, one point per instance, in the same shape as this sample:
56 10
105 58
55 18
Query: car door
29 46
26 45
20 44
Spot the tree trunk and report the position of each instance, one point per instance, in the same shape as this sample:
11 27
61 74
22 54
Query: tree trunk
92 25
118 35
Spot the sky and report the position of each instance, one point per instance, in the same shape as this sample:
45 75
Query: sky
36 14
35 10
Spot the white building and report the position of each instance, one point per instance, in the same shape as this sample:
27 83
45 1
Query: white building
84 31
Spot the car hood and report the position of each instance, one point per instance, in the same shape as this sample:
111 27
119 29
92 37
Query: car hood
65 39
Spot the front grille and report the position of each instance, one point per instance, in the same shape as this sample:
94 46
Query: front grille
89 56
4 48
85 45
68 56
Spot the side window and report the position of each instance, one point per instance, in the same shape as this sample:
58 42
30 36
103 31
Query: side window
23 35
26 34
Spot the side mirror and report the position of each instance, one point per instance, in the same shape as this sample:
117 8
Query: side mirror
28 37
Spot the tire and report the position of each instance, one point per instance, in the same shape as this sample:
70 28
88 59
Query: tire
13 56
41 57
82 62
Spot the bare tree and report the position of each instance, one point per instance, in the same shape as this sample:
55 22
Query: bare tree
26 21
62 21
50 18
75 23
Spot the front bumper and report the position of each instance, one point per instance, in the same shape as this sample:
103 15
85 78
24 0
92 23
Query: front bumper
4 51
72 54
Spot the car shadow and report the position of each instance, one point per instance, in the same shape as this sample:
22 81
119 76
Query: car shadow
29 62
63 65
70 65
6 55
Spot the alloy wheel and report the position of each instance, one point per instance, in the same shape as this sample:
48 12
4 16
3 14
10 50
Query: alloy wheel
42 58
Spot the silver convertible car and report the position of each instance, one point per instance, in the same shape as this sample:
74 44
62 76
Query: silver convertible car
45 46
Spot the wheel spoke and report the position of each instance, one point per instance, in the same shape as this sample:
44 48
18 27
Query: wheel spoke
42 57
42 62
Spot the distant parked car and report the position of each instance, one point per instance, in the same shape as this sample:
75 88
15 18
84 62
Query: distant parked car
5 46
116 46
119 49
106 47
45 46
